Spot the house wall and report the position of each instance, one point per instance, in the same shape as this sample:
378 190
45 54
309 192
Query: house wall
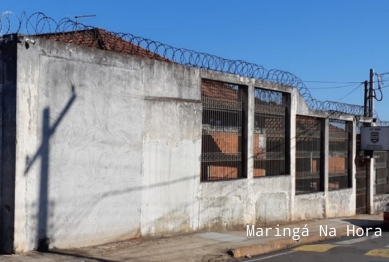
379 202
309 206
110 146
110 149
341 203
82 142
171 148
325 204
271 196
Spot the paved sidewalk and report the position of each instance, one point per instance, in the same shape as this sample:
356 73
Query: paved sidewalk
209 246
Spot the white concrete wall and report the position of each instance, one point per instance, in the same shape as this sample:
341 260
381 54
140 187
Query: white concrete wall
171 148
222 204
379 202
309 206
340 203
84 185
109 148
113 142
272 199
228 204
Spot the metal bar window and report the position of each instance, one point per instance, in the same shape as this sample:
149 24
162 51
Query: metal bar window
308 155
339 153
269 133
362 167
382 174
221 152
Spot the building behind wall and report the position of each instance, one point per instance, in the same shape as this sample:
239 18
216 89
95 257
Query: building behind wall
116 142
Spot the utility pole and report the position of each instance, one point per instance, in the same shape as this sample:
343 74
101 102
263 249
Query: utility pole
371 96
366 105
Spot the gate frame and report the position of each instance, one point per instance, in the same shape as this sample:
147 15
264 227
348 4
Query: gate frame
368 156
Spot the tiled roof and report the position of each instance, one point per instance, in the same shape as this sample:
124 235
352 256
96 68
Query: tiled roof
218 90
101 39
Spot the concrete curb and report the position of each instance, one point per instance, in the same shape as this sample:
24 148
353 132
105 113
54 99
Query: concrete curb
284 243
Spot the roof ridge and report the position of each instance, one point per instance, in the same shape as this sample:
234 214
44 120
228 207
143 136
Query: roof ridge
100 39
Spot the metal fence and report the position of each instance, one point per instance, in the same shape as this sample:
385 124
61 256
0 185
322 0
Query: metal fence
269 134
308 155
221 131
361 177
382 174
362 164
339 154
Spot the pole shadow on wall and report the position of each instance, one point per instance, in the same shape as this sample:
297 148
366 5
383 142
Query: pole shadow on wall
44 154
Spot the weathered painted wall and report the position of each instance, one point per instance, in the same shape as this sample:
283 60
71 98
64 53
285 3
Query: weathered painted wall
272 196
110 148
113 142
340 203
171 148
85 170
222 204
379 202
309 206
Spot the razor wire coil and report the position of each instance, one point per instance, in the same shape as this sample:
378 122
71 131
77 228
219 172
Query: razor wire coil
40 24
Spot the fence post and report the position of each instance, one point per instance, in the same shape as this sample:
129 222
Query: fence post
249 109
325 165
291 118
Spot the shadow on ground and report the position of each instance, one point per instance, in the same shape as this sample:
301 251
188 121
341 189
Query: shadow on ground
71 254
370 224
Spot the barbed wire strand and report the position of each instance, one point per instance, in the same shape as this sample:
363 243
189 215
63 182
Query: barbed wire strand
74 32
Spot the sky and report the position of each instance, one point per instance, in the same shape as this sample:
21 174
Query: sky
331 45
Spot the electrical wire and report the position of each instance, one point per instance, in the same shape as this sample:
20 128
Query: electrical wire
352 91
332 87
380 82
329 82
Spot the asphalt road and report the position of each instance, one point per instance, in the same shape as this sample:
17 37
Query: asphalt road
356 249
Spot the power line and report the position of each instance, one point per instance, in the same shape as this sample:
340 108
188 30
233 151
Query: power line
343 82
352 91
343 86
329 82
332 87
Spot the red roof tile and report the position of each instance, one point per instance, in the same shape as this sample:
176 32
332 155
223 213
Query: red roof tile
101 39
218 90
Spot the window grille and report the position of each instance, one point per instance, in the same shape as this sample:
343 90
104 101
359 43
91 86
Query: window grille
339 153
269 134
221 152
308 155
382 174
